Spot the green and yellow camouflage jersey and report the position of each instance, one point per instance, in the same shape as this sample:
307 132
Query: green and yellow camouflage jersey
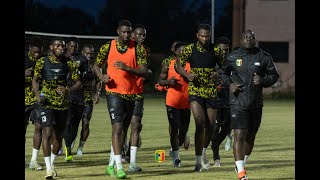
148 52
202 63
167 60
89 89
88 81
141 57
29 97
53 100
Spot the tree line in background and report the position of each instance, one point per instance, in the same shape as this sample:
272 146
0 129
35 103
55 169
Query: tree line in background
165 20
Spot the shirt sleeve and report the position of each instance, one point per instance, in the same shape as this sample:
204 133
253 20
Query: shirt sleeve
73 69
167 60
103 53
271 72
186 54
38 67
142 58
225 71
219 55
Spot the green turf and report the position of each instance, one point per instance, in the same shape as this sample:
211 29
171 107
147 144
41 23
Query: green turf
273 156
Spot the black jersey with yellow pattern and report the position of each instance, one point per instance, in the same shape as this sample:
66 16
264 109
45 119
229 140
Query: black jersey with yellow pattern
142 59
53 100
167 60
204 86
29 97
88 79
89 89
89 83
148 52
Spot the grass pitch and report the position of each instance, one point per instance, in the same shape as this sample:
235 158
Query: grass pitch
273 156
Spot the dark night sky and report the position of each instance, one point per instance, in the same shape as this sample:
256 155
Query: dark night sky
85 5
93 8
155 32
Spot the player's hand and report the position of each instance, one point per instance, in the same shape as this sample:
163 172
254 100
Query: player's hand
192 77
257 80
173 81
105 78
160 88
214 76
39 98
61 90
28 72
120 65
96 98
235 88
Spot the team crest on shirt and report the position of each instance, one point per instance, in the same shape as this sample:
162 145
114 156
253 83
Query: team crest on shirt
239 62
78 63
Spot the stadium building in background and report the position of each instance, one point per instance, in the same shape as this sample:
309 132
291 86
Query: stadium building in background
273 21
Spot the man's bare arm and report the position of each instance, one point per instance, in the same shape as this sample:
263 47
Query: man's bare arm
142 71
103 77
35 87
182 72
76 86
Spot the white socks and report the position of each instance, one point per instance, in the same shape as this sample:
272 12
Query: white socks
133 154
53 158
240 165
48 163
34 154
117 158
111 159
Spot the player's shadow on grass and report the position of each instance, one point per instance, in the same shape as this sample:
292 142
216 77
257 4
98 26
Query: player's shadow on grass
153 149
272 149
267 164
167 171
82 163
97 152
89 175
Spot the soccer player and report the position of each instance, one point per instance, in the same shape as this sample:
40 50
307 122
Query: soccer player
91 90
50 80
222 128
203 58
31 106
126 63
139 35
75 100
81 101
186 142
247 71
177 104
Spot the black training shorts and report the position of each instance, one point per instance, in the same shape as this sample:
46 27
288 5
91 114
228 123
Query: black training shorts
242 118
205 102
138 107
119 108
51 117
32 113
